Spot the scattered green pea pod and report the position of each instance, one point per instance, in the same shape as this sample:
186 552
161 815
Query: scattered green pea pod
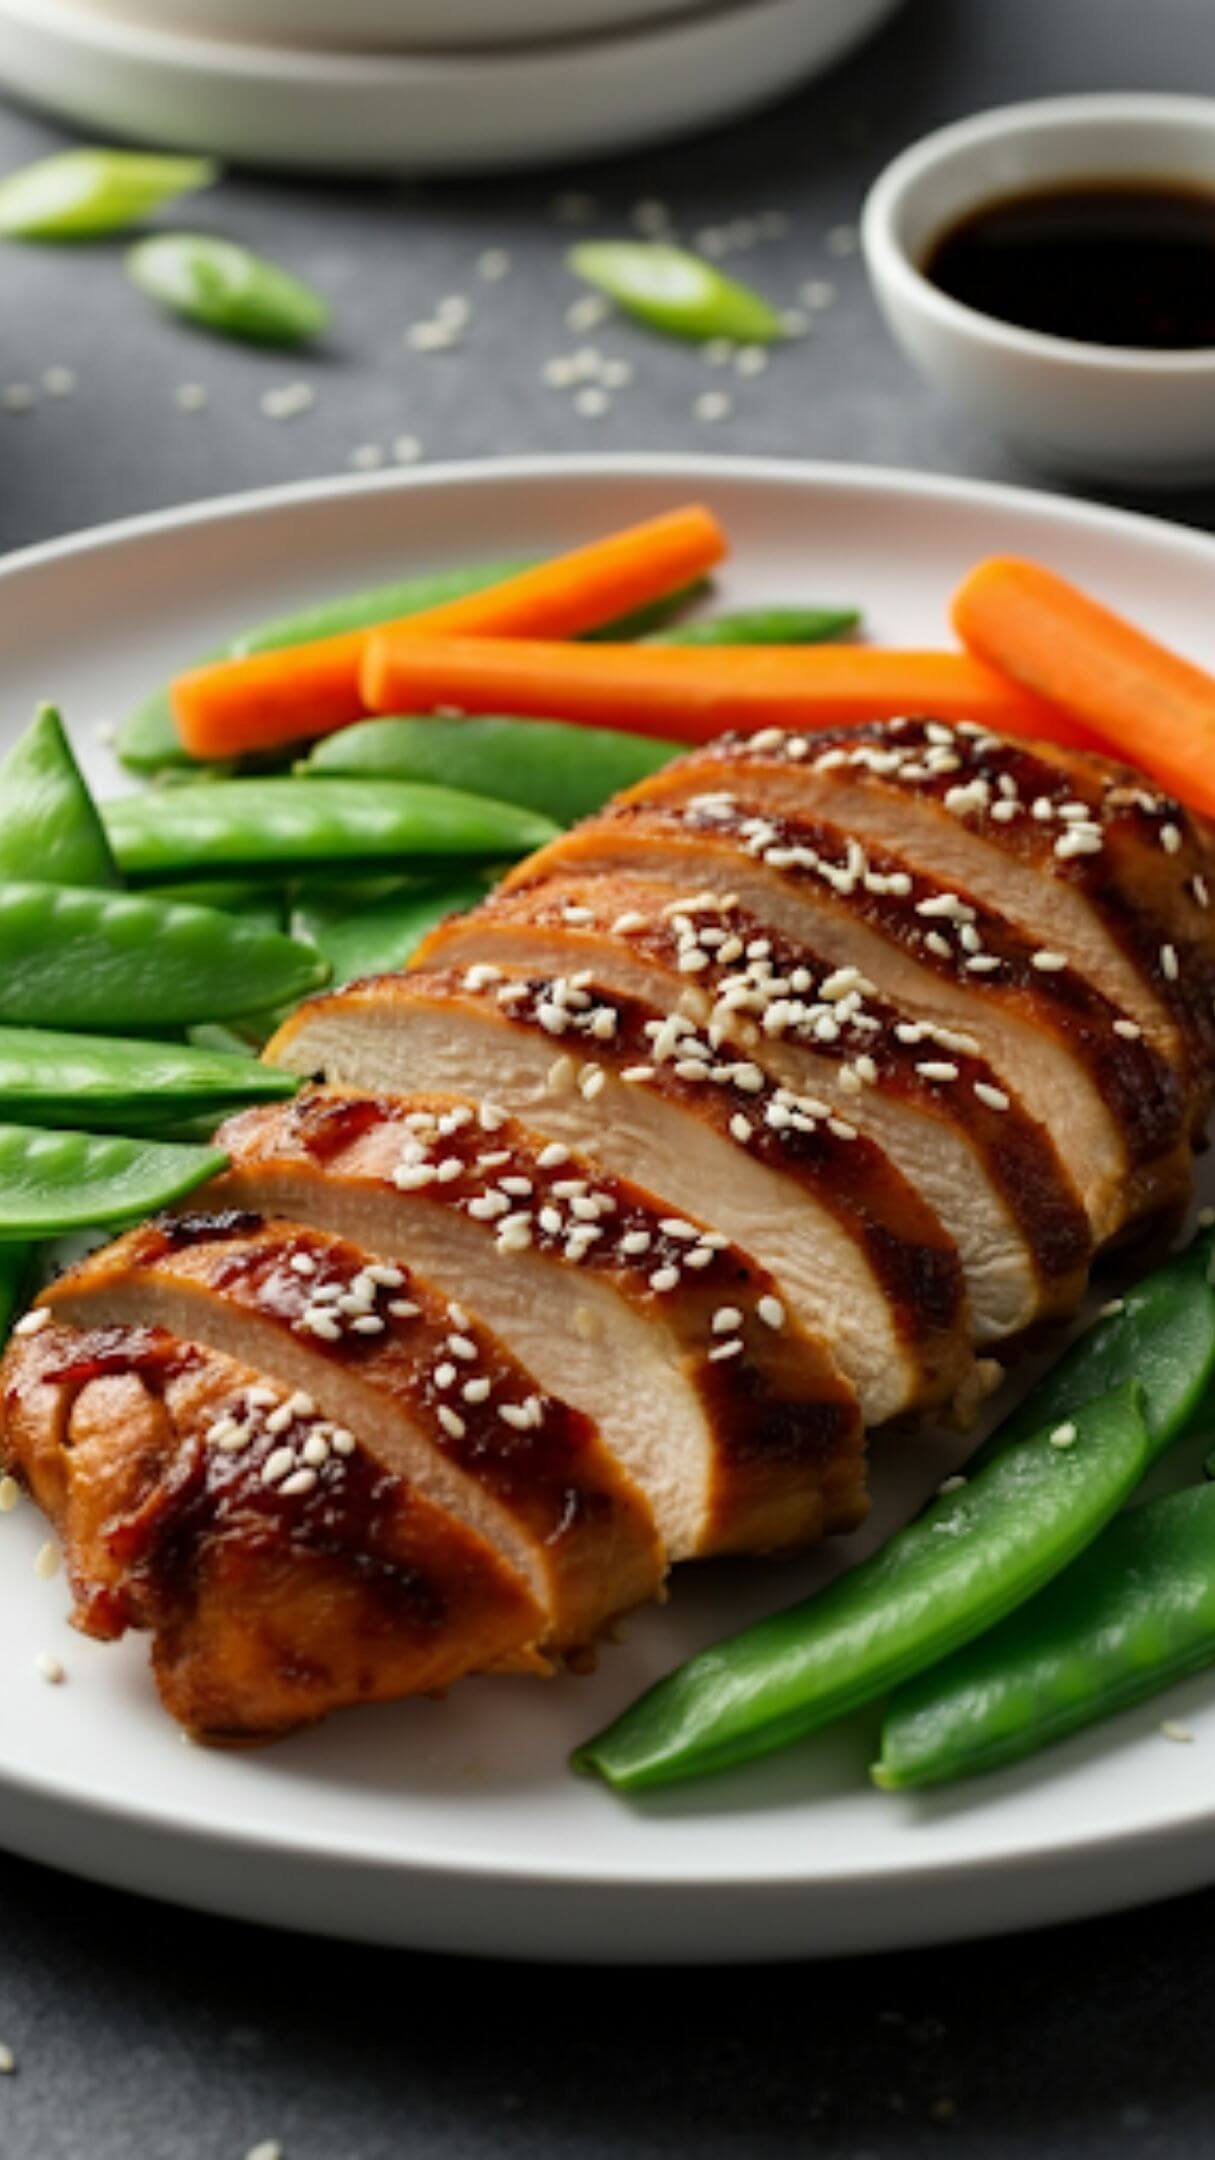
15 1262
54 1182
227 289
114 1085
71 957
763 626
50 830
975 1554
82 194
675 291
1135 1613
276 826
562 772
374 939
148 740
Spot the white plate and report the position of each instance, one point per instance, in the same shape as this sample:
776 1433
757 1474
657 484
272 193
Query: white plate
456 1825
437 113
394 25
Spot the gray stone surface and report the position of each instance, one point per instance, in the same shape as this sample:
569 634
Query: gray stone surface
143 2034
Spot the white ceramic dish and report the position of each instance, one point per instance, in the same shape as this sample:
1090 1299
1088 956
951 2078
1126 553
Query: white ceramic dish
1137 417
394 25
438 113
457 1826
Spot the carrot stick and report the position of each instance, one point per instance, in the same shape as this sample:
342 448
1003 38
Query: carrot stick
236 706
1128 692
691 693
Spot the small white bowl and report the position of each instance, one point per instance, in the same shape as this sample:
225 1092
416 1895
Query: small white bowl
405 26
1139 417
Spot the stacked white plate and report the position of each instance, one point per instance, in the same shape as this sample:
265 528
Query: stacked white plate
416 86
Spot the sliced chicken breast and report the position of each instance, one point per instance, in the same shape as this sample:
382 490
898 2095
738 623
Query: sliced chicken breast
737 1425
271 1599
379 1349
859 1256
990 1172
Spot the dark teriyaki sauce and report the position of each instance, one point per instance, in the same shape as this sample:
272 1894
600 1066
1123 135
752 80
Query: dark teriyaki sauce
1128 263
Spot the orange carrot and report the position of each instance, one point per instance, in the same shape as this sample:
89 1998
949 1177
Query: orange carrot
236 706
1127 692
692 693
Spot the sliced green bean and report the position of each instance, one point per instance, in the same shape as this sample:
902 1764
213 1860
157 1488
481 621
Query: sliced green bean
763 626
675 291
548 766
148 740
385 935
50 829
272 827
53 1182
1134 1614
82 194
97 961
227 288
15 1266
112 1085
974 1555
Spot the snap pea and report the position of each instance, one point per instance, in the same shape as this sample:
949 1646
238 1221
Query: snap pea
50 830
147 739
1135 1613
374 939
15 1262
123 1086
234 895
763 626
227 288
973 1555
561 771
675 291
53 1182
275 826
81 194
71 957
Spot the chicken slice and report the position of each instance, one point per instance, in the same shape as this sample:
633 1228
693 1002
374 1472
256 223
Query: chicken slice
859 1256
1079 852
736 1423
380 1350
272 1599
989 1170
1113 1103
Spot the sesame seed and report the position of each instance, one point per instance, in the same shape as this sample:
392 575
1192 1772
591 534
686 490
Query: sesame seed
592 402
1172 1729
10 1494
451 1421
32 1323
403 1308
8 2061
664 1278
937 1069
842 240
741 1129
407 449
1112 1307
993 1097
191 397
771 1311
58 381
366 457
1129 1030
278 1463
476 1391
287 400
46 1561
1169 965
713 405
724 1350
302 1264
1049 962
17 397
368 1324
727 1320
269 2149
1170 839
493 264
1065 1435
50 1669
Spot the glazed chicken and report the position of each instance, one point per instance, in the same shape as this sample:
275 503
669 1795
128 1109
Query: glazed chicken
753 1113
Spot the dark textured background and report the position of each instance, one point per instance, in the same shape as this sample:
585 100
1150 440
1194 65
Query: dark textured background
143 2034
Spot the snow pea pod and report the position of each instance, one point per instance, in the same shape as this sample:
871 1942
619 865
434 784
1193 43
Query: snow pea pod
675 291
53 1182
71 957
763 626
50 829
227 288
119 1086
148 740
545 765
273 827
374 939
81 194
1135 1613
975 1554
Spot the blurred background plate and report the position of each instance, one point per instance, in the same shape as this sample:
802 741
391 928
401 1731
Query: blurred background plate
392 25
429 113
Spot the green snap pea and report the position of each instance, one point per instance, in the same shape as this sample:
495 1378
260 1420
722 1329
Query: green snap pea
655 615
675 291
562 772
82 194
15 1262
276 826
123 1086
763 626
148 740
374 939
71 957
227 289
50 830
975 1554
236 896
54 1182
1135 1613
